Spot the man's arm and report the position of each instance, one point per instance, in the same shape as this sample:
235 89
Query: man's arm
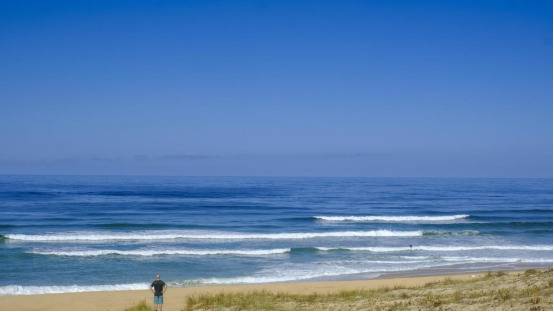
164 289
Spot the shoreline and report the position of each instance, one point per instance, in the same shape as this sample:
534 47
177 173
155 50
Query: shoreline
176 296
453 269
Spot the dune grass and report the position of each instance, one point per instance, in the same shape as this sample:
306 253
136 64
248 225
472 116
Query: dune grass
529 290
141 306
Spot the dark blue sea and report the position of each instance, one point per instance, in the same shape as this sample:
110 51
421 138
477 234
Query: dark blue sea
82 233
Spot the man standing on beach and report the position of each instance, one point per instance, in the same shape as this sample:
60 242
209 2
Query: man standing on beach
158 288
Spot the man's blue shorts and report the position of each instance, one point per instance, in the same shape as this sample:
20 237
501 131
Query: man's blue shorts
159 299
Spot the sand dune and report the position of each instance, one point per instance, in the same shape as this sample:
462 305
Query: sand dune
176 297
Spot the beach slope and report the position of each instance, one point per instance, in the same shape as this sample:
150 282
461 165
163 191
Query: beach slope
523 290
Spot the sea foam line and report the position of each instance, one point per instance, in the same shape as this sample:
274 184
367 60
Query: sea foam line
280 276
264 252
154 235
283 276
32 290
297 275
493 259
150 253
392 218
439 248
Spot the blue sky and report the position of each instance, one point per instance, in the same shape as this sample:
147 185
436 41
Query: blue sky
294 88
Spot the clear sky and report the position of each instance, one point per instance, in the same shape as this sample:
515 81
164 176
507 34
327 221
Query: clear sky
294 88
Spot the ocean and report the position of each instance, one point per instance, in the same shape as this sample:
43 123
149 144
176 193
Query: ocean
84 233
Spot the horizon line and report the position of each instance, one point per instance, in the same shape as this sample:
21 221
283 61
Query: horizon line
271 176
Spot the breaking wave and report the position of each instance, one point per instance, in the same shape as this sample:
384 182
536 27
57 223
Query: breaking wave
155 235
493 259
391 218
264 252
32 290
437 248
150 253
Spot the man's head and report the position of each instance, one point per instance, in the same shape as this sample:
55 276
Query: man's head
157 276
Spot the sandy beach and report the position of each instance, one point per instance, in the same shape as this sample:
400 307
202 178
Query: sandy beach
175 298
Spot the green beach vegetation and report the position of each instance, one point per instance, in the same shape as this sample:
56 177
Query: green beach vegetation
141 306
529 290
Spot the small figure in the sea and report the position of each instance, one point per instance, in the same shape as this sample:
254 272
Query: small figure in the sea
158 288
411 247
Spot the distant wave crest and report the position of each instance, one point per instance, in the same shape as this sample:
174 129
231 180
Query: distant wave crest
264 252
158 235
451 233
392 218
150 253
438 248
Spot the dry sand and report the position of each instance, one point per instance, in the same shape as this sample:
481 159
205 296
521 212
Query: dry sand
175 297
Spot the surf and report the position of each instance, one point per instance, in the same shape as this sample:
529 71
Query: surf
437 248
392 218
154 235
161 252
33 290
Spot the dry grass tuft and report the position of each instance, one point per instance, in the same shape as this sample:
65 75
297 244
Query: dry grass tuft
530 290
141 306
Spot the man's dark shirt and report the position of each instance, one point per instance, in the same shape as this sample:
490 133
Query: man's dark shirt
158 287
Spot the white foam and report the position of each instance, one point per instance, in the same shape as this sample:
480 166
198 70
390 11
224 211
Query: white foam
161 235
271 279
149 253
315 271
493 259
392 218
262 252
284 275
272 274
32 290
439 248
416 257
